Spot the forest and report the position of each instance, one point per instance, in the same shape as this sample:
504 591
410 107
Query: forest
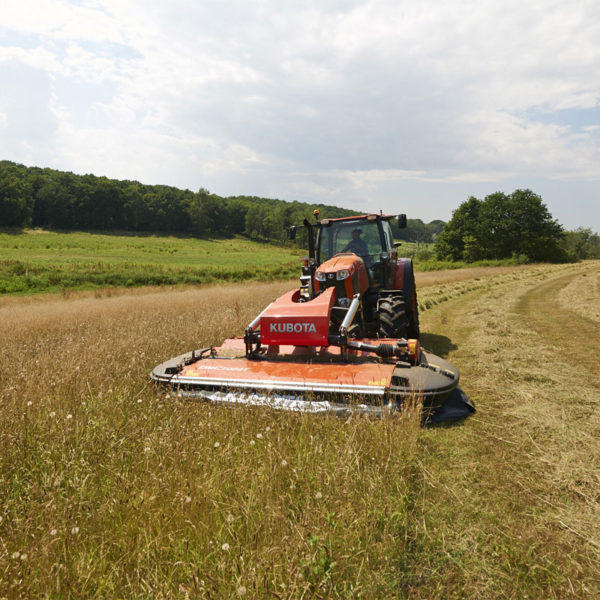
51 199
517 226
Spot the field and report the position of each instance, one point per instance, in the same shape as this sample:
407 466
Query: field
46 261
35 260
109 489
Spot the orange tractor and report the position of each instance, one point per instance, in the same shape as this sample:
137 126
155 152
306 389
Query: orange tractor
346 339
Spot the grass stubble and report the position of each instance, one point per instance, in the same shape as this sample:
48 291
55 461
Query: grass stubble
510 502
108 489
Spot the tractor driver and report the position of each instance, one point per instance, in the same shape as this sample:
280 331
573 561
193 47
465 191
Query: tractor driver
357 245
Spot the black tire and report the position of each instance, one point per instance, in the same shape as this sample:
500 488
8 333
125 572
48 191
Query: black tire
393 322
410 296
413 310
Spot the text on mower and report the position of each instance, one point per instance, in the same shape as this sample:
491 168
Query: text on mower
292 328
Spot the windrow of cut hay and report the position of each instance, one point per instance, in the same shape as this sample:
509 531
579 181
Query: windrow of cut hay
510 503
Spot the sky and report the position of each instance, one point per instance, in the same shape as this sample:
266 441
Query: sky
371 105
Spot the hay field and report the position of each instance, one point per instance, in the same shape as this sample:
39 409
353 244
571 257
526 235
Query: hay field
108 489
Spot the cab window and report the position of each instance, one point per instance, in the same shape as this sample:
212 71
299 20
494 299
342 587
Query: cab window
387 234
344 237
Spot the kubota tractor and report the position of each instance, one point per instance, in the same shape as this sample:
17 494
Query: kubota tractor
346 339
357 257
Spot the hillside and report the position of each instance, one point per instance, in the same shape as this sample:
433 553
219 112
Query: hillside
47 198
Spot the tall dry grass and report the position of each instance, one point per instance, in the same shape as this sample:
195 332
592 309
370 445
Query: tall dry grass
108 489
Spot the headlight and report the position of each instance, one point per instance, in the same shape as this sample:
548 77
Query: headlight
343 274
320 276
345 302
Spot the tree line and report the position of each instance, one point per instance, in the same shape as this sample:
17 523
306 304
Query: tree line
48 198
499 226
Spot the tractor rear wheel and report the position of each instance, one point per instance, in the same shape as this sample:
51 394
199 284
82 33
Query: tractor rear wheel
393 322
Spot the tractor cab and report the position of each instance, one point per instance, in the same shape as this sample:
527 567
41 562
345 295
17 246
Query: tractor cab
368 237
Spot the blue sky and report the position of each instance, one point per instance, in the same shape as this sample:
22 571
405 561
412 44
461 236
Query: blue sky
377 104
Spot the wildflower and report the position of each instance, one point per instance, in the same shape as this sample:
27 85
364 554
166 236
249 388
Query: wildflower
53 532
267 428
318 495
23 556
30 403
75 531
217 444
241 590
259 436
252 442
225 547
69 416
229 518
15 555
188 499
284 462
147 449
52 415
139 401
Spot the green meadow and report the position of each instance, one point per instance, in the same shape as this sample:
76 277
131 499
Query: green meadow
36 260
44 261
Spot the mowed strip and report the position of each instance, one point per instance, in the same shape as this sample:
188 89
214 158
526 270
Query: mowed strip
506 505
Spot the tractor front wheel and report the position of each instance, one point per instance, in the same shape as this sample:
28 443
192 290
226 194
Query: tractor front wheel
393 322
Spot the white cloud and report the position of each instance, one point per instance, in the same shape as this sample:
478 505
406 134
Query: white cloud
296 99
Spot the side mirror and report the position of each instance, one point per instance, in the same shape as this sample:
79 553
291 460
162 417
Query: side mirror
402 221
291 233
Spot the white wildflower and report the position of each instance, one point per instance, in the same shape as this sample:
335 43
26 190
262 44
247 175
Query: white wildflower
225 547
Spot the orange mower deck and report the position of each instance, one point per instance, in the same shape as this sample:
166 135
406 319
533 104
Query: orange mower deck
309 377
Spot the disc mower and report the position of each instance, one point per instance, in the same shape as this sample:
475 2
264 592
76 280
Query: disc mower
346 339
